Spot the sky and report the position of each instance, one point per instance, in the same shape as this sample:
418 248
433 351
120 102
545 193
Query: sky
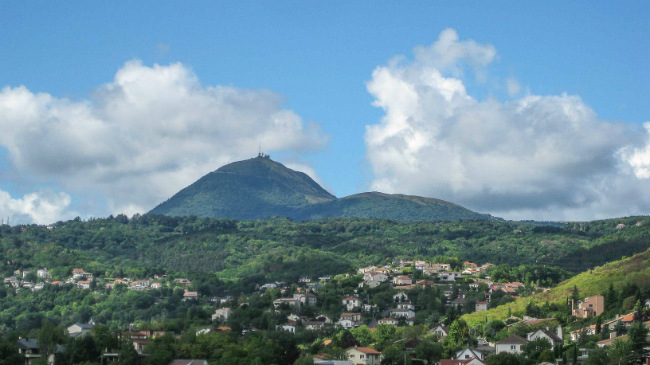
517 109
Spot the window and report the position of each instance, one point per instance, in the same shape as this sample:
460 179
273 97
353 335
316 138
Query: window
361 356
513 347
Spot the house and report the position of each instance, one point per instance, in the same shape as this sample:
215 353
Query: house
221 314
612 324
441 331
388 321
81 274
183 281
551 337
468 353
351 302
349 320
288 328
610 341
307 299
481 306
374 276
511 344
84 284
405 305
459 302
363 356
156 285
402 313
190 295
441 267
28 347
400 297
589 331
402 280
291 302
42 274
314 325
425 283
449 276
79 329
592 306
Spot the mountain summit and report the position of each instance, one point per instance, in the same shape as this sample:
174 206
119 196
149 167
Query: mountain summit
256 188
259 188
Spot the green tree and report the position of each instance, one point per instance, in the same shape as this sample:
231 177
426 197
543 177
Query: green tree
598 356
383 336
9 353
637 337
506 358
48 338
305 359
533 349
126 352
429 350
619 352
362 335
393 355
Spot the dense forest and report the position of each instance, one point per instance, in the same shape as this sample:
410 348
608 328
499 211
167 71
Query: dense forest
281 249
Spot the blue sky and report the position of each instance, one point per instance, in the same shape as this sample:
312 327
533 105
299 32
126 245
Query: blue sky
311 67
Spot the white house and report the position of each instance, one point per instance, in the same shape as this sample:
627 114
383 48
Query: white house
402 280
400 297
402 313
441 331
511 344
221 314
468 353
351 302
363 356
551 337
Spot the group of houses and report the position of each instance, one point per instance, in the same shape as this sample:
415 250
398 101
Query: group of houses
85 280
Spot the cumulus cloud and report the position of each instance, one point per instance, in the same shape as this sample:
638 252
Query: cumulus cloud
639 158
537 157
145 135
42 207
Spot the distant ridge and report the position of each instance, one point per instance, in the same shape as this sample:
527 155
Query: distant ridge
259 188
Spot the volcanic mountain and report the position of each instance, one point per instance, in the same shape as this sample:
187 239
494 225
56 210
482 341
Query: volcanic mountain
259 188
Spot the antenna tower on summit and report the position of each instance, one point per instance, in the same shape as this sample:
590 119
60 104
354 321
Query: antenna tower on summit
261 154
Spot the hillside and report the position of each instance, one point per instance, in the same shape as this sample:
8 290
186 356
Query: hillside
260 188
632 270
388 206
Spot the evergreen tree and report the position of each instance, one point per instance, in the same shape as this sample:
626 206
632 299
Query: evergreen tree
637 334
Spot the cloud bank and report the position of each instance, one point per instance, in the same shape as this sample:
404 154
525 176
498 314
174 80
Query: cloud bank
41 207
144 136
535 157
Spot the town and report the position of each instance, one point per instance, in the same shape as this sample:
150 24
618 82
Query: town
406 312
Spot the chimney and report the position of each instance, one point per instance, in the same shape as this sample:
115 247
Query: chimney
612 335
559 333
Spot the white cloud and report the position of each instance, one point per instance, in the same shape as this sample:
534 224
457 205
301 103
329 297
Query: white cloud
639 158
41 207
537 157
147 134
513 86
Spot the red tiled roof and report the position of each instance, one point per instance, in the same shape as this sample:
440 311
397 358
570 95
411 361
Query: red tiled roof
366 350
